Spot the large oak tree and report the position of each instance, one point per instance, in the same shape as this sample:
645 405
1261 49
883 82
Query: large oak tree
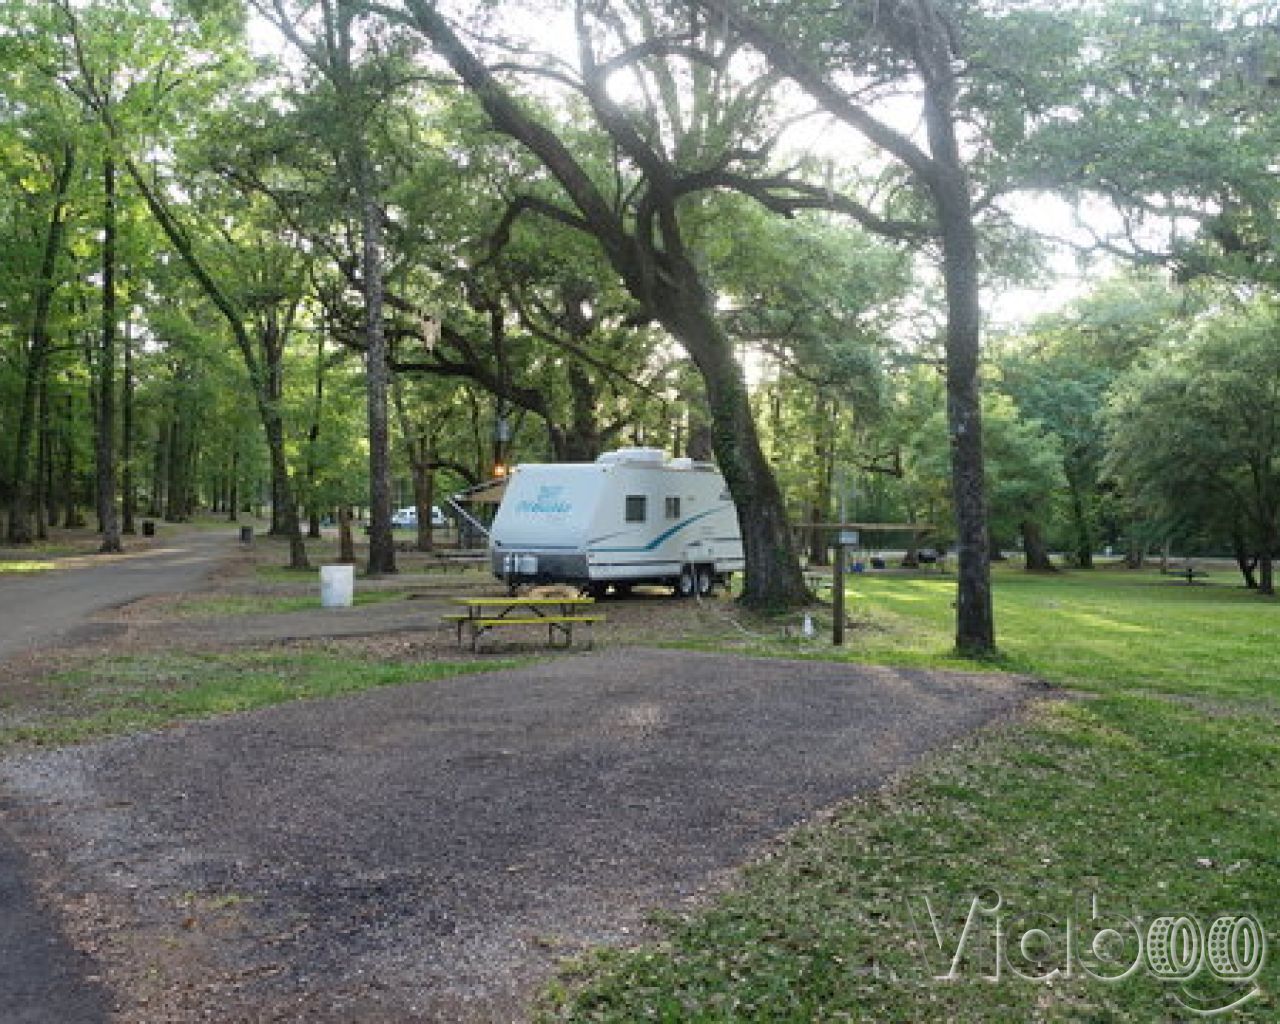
668 153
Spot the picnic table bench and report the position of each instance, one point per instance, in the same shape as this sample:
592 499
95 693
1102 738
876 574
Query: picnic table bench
932 556
558 614
1188 572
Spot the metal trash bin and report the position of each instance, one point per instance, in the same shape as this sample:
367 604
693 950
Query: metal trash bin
246 535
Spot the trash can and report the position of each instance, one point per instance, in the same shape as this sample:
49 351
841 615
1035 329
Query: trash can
148 528
337 585
246 535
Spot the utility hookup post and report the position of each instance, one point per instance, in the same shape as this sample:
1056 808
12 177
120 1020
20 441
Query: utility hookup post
837 598
847 538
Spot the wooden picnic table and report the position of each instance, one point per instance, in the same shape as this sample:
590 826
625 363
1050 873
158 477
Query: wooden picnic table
1187 572
558 614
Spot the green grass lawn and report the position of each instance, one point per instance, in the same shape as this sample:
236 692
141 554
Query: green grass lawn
201 605
1158 794
43 555
128 693
1099 631
16 566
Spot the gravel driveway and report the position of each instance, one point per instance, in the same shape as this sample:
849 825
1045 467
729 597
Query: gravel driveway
429 852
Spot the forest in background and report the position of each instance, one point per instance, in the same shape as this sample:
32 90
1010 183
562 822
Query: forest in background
398 245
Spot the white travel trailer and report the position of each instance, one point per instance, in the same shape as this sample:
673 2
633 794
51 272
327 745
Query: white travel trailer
632 516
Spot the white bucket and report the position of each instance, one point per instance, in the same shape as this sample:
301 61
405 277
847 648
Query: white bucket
337 585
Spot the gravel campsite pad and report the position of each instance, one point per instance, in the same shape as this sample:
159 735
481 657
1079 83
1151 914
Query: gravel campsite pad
430 852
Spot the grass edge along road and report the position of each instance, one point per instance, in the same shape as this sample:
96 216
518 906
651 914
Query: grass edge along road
130 693
1157 797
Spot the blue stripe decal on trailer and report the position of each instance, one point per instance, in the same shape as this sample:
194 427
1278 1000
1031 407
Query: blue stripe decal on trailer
666 535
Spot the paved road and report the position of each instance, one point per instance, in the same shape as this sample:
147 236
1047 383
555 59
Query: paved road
46 607
42 979
428 852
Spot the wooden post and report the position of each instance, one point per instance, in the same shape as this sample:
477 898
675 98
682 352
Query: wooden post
346 543
837 596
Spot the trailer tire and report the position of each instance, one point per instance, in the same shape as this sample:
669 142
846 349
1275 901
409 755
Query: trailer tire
686 584
705 580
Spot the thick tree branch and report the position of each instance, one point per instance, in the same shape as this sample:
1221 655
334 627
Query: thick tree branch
557 340
531 204
816 84
658 47
509 118
786 196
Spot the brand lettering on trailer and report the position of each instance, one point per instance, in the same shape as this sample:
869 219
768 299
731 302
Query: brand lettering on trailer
548 503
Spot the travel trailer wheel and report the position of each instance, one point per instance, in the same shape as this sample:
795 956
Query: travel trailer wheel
706 582
686 584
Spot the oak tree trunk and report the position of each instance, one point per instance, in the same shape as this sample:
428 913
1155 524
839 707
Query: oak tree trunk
975 616
1033 547
287 512
268 410
1135 554
1269 543
159 459
424 496
824 483
129 496
925 37
106 439
382 551
1080 523
773 578
44 464
1245 562
233 487
582 440
175 482
346 542
313 441
911 557
23 484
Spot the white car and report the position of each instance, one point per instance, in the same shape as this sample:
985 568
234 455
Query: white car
409 517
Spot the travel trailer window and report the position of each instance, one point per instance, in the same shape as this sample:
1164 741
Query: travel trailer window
673 507
635 508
